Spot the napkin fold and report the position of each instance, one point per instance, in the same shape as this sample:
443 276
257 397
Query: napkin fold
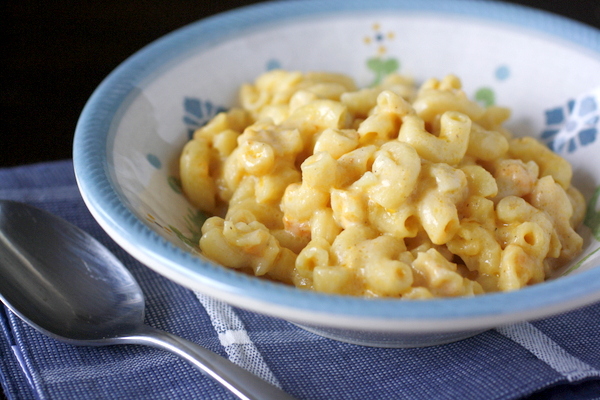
555 358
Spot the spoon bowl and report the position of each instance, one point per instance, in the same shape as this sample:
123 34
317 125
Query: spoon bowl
79 292
64 283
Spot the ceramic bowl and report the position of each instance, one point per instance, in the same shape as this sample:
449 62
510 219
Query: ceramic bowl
131 132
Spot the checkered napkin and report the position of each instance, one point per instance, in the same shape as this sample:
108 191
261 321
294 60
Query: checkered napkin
556 358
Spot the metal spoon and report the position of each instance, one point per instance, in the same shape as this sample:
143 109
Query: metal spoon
64 283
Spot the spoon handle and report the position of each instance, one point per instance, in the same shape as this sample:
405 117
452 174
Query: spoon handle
239 381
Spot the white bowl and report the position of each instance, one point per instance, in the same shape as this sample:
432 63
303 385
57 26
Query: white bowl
131 131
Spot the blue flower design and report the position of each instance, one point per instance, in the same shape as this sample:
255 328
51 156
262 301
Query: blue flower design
154 160
198 113
502 72
572 125
273 64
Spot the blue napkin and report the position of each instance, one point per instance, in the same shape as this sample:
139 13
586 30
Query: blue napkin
555 358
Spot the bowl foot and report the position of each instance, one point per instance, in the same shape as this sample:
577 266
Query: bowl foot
389 339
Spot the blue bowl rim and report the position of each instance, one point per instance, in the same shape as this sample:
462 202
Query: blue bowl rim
91 163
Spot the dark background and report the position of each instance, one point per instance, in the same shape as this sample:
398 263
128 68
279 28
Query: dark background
57 52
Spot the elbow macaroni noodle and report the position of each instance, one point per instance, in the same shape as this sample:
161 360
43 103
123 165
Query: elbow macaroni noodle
391 191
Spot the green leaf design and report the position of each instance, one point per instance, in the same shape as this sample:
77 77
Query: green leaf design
485 96
382 67
592 216
194 221
187 240
374 63
175 184
390 65
580 263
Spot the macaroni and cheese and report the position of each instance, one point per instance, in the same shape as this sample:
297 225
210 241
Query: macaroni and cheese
392 190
